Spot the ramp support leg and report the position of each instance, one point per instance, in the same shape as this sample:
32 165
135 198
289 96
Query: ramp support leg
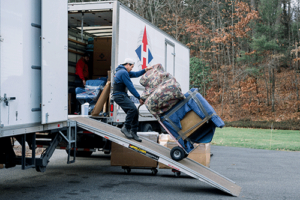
43 161
71 139
33 147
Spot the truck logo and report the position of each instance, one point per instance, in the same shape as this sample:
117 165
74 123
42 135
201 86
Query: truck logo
143 51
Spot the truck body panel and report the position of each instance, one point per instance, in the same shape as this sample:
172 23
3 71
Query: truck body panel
34 53
54 39
20 63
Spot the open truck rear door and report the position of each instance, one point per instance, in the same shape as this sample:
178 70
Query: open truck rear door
54 60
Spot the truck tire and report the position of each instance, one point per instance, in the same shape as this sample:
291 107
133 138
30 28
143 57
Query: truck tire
177 153
80 153
84 153
40 169
147 127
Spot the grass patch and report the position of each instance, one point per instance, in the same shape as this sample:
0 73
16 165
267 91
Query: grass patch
283 125
288 140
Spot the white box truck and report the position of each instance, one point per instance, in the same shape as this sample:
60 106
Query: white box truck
40 43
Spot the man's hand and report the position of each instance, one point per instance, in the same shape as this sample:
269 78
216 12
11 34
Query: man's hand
83 82
141 102
148 68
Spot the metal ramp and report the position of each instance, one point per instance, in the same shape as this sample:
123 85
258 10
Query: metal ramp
160 153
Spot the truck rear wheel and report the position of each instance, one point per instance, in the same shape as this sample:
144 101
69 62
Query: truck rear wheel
147 127
80 153
40 169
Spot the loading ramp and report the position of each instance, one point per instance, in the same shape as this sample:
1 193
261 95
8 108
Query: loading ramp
159 153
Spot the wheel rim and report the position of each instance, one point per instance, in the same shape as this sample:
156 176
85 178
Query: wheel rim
177 154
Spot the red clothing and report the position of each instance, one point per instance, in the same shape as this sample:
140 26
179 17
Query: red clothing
82 69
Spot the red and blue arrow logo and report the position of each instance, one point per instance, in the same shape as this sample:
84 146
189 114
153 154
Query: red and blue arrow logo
143 51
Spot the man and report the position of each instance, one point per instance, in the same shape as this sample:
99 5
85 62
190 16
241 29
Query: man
82 74
121 82
82 70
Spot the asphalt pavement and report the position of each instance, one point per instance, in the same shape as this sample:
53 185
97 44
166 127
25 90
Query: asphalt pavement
262 174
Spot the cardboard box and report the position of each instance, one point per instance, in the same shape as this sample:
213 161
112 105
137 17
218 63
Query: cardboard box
153 136
97 76
102 99
1 166
201 154
121 156
190 119
109 75
106 107
101 56
165 138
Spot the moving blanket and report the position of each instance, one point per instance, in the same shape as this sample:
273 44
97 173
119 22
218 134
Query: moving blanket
97 82
164 97
194 101
162 91
152 78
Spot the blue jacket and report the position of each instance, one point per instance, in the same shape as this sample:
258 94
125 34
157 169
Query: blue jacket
123 76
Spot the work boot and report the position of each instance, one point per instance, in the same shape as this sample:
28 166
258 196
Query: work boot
126 132
135 137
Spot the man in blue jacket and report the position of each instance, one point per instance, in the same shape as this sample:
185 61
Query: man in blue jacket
122 82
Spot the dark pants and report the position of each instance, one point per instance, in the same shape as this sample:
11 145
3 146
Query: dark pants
78 83
132 118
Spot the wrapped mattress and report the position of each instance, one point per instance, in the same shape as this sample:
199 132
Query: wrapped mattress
162 91
152 78
194 102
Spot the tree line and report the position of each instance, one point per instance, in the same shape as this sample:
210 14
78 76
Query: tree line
244 53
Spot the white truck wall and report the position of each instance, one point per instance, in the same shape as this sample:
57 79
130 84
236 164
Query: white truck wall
20 53
20 48
131 32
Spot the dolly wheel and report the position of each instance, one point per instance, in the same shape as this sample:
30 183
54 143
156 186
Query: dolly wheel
154 171
177 153
177 174
127 170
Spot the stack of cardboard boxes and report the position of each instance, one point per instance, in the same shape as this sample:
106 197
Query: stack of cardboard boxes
201 153
101 57
121 156
101 68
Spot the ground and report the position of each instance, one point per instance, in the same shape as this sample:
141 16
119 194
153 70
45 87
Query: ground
262 174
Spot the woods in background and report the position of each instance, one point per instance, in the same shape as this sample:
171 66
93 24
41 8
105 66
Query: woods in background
244 53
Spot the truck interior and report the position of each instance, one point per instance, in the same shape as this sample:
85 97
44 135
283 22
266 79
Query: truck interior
89 32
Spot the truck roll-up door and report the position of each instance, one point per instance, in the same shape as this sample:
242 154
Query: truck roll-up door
54 60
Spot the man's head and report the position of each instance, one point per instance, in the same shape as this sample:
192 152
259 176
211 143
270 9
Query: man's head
86 57
128 64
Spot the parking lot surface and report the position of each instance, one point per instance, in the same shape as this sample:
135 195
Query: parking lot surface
262 174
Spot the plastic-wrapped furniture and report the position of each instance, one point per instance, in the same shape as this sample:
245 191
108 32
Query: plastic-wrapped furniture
192 120
91 92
